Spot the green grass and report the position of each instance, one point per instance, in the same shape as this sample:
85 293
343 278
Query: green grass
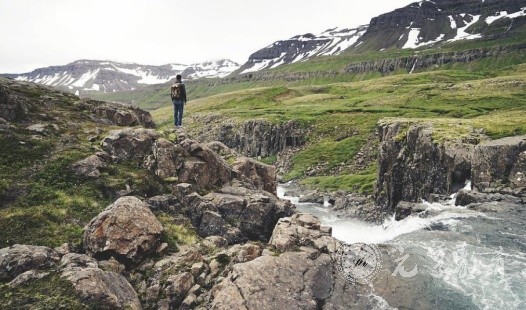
342 117
50 293
362 183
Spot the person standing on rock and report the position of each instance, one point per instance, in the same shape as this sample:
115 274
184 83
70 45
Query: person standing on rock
178 93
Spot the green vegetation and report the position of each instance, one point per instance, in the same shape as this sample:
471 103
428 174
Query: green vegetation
342 117
177 231
49 293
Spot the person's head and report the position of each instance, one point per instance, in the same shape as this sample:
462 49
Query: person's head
178 77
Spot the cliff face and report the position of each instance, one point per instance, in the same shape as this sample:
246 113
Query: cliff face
412 166
256 137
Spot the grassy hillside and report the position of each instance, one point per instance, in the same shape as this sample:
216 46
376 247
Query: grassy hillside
343 116
155 96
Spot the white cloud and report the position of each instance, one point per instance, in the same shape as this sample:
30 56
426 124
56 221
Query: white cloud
38 33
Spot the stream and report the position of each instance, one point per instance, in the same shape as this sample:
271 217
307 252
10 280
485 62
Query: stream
480 257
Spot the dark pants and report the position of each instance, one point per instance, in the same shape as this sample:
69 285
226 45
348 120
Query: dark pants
178 112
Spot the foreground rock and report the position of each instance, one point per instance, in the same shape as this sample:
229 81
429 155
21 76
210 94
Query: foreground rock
19 258
103 289
236 213
126 229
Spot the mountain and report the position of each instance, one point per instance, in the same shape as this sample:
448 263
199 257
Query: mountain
421 24
85 76
303 47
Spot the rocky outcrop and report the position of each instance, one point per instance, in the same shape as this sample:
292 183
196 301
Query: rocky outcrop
500 163
260 175
299 230
120 114
256 137
103 289
19 258
261 283
421 62
235 213
126 229
412 165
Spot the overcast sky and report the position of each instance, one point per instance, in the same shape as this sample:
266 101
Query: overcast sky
41 33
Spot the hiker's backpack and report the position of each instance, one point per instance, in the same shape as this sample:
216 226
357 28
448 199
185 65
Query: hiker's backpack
177 91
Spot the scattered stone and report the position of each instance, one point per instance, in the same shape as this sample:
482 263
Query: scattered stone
177 287
90 166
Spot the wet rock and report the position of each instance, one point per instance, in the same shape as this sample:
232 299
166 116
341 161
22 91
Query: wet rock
413 165
18 259
126 229
312 197
103 289
466 197
404 209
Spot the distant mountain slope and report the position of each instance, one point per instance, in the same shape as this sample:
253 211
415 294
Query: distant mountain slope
108 76
421 24
303 47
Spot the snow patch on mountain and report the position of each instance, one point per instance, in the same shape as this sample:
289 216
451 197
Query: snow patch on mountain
111 76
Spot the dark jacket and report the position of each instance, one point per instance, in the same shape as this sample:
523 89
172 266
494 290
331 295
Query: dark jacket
183 91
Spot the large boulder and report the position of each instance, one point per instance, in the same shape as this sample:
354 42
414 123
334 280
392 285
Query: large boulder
500 163
126 229
262 176
103 289
204 168
19 258
235 213
267 282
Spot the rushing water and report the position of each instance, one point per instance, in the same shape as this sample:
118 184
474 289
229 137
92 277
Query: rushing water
480 255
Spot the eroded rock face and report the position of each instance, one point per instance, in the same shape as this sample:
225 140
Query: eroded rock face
500 163
126 229
412 165
103 289
250 215
256 137
20 258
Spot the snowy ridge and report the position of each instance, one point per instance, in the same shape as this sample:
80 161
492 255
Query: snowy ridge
109 76
303 47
